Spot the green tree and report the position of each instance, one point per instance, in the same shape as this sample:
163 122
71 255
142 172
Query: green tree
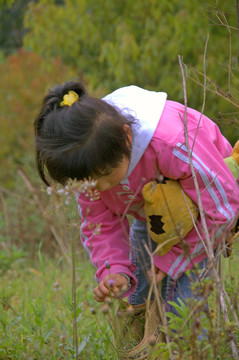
11 24
116 43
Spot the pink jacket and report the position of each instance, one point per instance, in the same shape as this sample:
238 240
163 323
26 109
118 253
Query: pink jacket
159 148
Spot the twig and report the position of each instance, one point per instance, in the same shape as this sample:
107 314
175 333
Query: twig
211 257
159 305
217 89
74 302
204 91
225 23
194 223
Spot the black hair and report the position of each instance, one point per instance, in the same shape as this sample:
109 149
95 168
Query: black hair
81 141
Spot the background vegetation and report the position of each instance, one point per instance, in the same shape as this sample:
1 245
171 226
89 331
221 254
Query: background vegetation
107 44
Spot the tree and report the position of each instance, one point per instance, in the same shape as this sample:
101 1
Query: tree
116 43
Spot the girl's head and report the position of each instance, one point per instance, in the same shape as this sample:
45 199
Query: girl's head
87 139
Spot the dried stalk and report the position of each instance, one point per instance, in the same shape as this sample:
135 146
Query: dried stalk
211 257
216 89
156 294
74 302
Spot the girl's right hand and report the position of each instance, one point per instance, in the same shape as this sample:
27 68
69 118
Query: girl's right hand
111 285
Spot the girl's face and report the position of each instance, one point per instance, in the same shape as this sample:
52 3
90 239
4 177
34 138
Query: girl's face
114 178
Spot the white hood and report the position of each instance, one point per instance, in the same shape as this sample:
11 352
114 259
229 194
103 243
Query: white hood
145 106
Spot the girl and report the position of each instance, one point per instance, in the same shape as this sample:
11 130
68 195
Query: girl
119 144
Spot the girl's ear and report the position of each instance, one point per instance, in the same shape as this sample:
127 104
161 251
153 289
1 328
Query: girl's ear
128 131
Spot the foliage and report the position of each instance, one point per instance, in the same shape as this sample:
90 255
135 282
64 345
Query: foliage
36 315
199 331
6 3
122 42
11 24
25 78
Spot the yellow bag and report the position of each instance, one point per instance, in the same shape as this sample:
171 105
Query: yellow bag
169 213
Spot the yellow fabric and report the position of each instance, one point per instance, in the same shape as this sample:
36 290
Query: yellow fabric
169 213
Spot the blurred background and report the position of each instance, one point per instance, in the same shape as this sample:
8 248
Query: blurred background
106 44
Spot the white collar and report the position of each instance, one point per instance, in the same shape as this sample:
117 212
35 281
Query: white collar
145 106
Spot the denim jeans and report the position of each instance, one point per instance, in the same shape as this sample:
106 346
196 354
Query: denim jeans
171 289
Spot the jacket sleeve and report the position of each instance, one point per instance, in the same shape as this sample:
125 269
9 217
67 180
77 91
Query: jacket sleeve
106 238
219 194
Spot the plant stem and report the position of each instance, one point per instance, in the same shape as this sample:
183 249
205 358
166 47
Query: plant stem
74 302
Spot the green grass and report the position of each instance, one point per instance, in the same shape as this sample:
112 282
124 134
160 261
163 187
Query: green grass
36 313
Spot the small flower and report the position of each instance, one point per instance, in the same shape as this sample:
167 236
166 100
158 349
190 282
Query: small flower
111 282
93 312
119 313
49 190
60 191
107 264
57 286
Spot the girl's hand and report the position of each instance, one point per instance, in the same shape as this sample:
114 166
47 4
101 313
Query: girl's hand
154 271
111 285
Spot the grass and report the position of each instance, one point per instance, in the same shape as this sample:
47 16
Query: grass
36 313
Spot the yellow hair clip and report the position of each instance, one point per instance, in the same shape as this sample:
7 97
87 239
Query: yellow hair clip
70 98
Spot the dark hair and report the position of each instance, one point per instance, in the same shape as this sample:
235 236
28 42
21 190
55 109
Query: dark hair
86 139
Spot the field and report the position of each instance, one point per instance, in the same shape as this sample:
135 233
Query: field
37 313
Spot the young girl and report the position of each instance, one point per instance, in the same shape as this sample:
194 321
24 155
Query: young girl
119 144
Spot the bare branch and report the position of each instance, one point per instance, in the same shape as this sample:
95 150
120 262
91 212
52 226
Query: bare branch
211 257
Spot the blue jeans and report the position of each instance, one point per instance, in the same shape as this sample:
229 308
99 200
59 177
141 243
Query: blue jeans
171 289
